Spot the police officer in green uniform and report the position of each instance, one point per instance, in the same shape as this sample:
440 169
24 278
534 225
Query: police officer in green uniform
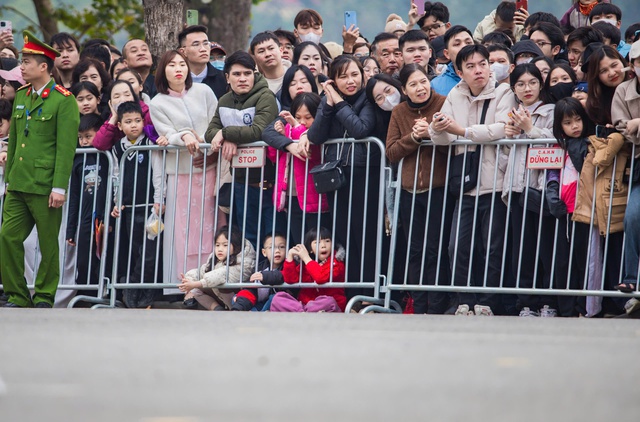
42 143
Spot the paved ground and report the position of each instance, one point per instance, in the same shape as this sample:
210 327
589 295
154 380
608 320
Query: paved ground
189 366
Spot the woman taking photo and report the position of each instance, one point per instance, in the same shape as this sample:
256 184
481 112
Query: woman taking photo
422 198
181 112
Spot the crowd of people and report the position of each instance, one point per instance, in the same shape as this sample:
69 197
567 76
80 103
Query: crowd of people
468 215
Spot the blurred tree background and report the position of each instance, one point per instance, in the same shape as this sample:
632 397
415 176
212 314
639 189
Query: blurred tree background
232 24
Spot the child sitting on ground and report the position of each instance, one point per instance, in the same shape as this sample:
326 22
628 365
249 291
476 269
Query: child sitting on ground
328 267
270 274
232 261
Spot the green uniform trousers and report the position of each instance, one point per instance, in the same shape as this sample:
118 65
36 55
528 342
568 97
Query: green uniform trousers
21 212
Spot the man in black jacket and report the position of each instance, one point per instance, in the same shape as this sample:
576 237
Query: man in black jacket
195 45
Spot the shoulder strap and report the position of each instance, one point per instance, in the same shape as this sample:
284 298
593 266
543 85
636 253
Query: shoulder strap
485 108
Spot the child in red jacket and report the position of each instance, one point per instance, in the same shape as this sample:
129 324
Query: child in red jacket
300 267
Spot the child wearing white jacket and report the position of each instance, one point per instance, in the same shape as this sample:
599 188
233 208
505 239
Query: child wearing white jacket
230 262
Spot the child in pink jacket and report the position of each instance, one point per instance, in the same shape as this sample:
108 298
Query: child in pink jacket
310 205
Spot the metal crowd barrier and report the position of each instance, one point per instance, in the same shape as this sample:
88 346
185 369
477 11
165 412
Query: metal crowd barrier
92 285
545 280
164 260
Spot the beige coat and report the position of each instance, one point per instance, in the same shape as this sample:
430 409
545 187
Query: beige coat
602 155
515 176
625 107
466 110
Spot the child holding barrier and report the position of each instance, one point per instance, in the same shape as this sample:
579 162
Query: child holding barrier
87 196
310 205
141 184
270 274
319 260
232 261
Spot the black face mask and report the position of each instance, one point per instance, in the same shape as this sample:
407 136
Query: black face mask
561 90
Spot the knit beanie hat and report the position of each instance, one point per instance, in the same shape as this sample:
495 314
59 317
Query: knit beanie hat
394 23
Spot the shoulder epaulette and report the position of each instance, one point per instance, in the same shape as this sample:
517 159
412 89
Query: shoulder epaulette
64 91
24 86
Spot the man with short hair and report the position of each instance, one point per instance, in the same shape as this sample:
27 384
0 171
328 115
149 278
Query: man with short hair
501 62
435 21
137 56
242 115
550 39
611 14
69 57
194 44
42 143
265 50
578 40
500 19
455 39
415 48
386 50
308 26
288 42
476 109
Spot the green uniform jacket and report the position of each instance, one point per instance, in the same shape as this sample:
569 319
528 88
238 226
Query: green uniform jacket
42 140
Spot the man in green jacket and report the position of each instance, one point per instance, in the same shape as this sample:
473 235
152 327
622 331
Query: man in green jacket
42 143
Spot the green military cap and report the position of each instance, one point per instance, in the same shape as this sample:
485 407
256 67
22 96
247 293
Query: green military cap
33 45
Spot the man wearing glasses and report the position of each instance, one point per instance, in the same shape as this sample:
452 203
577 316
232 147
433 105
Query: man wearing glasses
435 20
550 39
196 47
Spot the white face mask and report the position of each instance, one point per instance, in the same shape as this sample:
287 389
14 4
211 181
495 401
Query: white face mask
391 101
609 21
524 60
440 67
310 36
500 71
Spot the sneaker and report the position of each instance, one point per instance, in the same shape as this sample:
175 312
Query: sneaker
632 306
483 310
547 312
463 310
526 312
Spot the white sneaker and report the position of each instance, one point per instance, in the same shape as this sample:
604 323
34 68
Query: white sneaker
482 310
463 310
547 312
526 312
632 305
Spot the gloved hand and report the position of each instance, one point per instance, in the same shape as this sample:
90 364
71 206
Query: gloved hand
557 207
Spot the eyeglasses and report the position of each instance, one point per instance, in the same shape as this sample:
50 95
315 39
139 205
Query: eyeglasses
358 55
217 57
521 86
433 27
288 47
197 44
279 247
541 43
385 54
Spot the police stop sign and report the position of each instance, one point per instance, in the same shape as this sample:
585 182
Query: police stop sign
545 158
252 157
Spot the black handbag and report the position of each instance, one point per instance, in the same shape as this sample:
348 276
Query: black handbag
328 177
467 177
464 170
534 199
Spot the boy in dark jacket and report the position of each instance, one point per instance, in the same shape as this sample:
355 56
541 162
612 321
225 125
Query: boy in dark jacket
87 196
274 249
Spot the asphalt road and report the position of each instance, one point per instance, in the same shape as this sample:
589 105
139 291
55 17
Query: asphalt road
192 366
